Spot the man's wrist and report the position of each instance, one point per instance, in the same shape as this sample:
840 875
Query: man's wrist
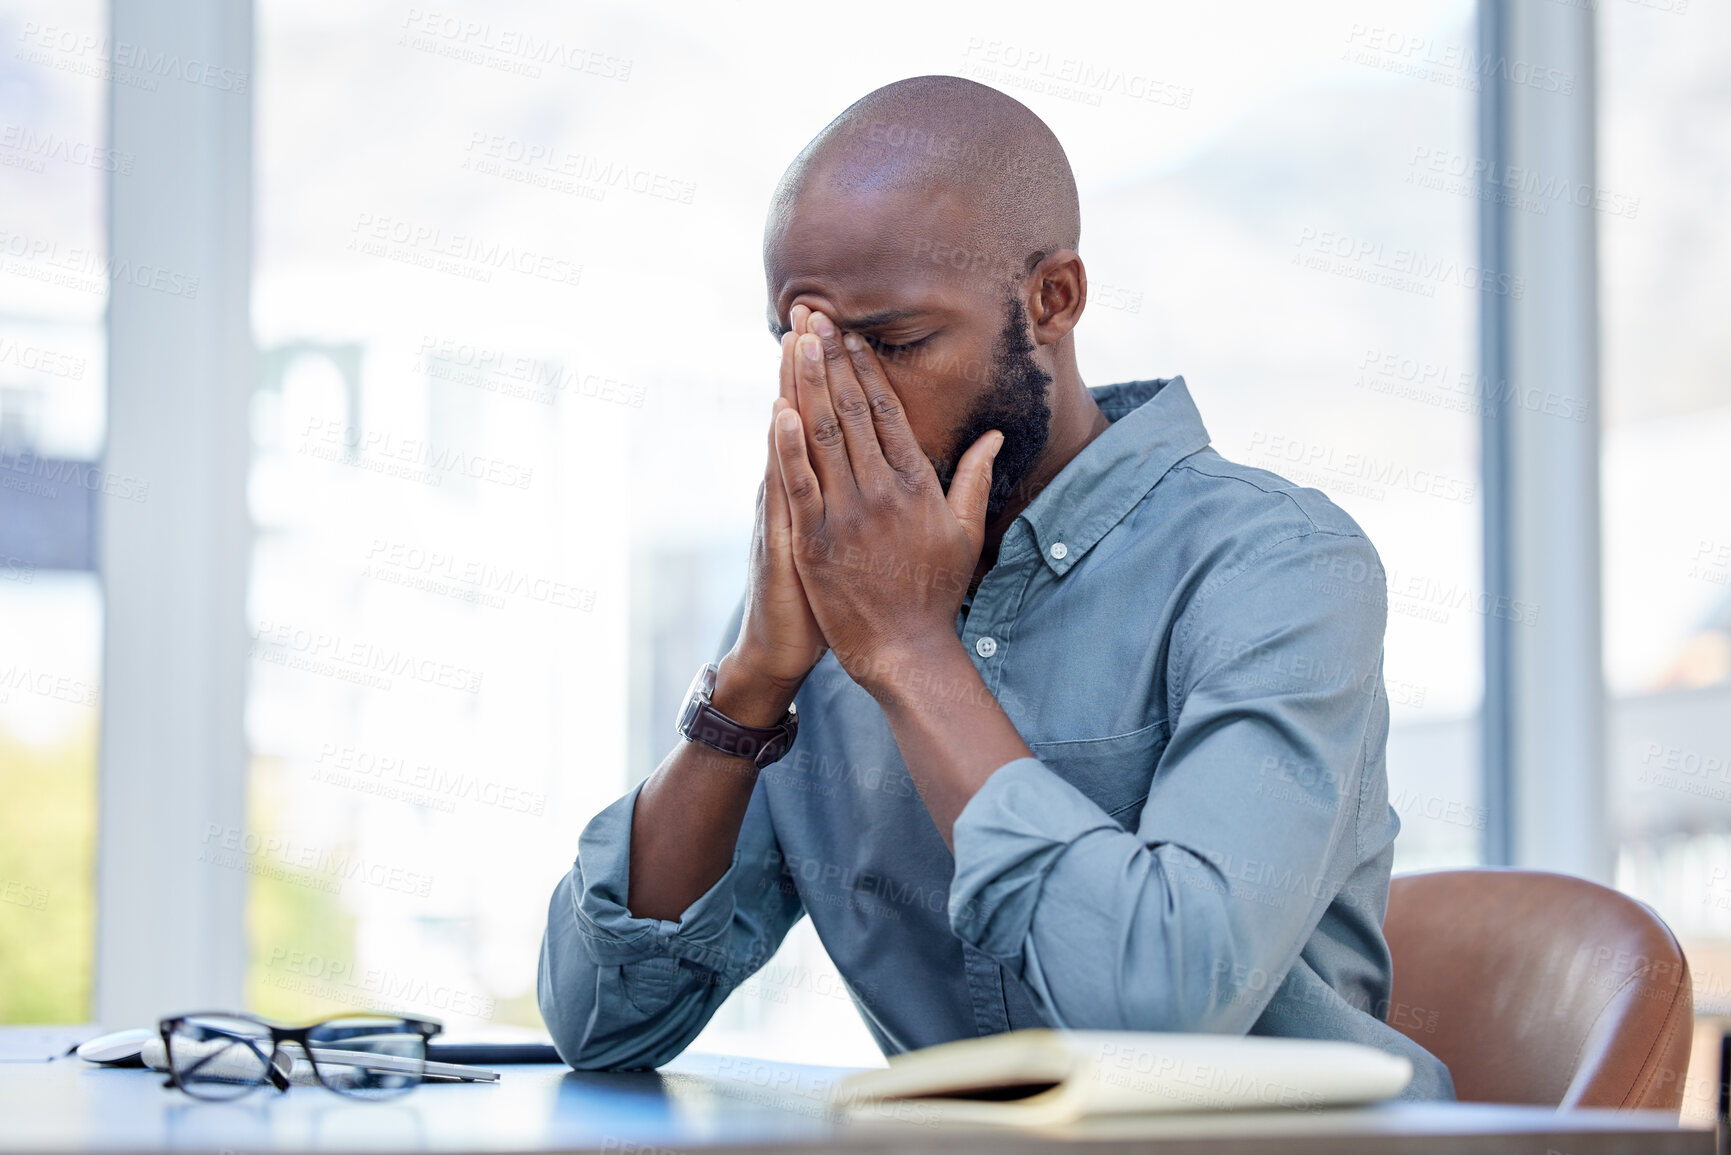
747 697
913 671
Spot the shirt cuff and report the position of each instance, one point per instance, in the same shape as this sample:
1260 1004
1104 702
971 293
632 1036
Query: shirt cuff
612 935
1008 838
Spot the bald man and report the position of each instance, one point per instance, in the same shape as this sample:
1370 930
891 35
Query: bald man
1043 712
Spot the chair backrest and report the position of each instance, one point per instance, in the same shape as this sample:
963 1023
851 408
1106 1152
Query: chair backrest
1540 988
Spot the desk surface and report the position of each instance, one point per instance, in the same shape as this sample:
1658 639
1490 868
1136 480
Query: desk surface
714 1103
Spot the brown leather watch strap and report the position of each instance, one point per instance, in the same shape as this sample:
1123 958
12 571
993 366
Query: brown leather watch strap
700 721
715 729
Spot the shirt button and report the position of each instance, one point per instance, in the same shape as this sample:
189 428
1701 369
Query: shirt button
986 646
1059 549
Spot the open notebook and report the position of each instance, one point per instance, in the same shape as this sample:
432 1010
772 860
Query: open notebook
1041 1077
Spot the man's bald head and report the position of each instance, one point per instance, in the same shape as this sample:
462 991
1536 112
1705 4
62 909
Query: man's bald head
931 136
937 219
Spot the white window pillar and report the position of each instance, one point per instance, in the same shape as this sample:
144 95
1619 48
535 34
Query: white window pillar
170 922
1544 684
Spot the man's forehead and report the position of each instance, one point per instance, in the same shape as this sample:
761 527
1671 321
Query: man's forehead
841 228
874 257
844 234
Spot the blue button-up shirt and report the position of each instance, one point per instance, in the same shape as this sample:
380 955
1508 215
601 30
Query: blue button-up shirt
1192 649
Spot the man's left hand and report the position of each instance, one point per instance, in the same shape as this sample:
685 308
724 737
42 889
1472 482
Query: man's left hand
883 554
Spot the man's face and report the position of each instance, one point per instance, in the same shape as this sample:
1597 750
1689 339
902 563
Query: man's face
942 314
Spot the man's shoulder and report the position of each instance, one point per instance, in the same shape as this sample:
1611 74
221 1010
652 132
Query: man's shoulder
1226 502
1258 554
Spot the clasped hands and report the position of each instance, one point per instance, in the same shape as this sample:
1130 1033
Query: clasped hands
858 549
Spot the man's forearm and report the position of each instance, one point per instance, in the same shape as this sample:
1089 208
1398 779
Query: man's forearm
951 731
687 819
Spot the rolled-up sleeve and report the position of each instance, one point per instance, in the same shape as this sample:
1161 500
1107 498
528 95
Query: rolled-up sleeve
620 991
1251 824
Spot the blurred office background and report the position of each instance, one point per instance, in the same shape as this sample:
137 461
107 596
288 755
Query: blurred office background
459 476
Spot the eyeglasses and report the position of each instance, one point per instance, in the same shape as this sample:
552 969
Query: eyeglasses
214 1055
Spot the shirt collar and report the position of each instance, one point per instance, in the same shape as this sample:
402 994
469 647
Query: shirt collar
1154 426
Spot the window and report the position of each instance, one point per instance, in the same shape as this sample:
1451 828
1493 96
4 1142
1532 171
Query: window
54 162
514 381
1666 189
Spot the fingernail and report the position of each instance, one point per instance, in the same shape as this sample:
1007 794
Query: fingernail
820 325
786 420
852 342
811 347
998 445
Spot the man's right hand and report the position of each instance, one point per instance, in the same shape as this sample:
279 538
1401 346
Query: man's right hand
779 640
686 822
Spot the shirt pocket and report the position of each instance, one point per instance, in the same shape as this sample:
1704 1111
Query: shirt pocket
1114 772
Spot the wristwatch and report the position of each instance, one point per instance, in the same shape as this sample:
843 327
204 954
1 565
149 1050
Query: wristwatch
702 722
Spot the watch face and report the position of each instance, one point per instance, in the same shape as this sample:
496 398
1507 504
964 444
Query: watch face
695 696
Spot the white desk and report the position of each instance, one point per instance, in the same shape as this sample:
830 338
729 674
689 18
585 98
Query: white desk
707 1102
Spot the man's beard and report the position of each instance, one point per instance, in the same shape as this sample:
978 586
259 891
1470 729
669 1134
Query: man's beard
1015 404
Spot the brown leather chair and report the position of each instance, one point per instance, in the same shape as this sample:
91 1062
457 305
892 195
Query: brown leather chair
1540 988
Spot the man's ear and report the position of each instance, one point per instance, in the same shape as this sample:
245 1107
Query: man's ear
1057 294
